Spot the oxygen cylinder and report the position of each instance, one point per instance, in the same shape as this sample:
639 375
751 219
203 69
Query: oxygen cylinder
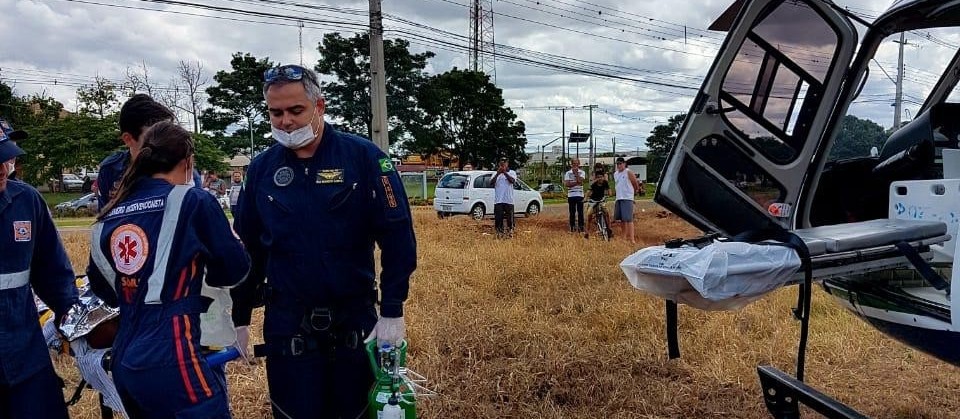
390 397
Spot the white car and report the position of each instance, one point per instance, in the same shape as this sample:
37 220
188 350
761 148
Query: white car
72 182
470 192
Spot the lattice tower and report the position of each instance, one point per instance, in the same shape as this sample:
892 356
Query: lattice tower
482 53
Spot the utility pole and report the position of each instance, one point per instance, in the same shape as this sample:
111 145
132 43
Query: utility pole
578 144
613 140
301 42
898 102
592 149
378 85
563 133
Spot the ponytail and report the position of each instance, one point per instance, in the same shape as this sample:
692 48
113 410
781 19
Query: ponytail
165 145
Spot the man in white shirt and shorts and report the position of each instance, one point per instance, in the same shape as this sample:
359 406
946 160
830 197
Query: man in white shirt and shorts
626 186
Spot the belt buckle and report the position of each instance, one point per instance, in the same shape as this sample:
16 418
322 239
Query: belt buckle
297 346
321 319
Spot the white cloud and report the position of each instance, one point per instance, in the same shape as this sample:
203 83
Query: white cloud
70 42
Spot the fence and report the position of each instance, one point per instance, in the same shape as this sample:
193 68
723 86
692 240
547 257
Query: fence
415 184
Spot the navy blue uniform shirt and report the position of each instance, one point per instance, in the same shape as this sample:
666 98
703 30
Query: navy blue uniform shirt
160 315
111 171
310 226
30 247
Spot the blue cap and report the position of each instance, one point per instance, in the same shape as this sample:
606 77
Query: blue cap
14 134
9 149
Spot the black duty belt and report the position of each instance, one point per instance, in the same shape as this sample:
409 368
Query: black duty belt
307 344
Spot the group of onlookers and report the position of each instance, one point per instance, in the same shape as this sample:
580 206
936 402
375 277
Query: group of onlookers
626 187
227 194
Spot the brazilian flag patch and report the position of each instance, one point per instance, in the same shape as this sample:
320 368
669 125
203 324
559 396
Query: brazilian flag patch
386 166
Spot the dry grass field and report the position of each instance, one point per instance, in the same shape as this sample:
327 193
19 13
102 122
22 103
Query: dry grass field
546 326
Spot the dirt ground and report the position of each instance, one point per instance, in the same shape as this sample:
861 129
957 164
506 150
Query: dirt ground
545 325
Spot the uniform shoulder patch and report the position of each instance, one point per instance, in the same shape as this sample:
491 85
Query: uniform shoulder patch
22 231
388 192
386 166
129 248
283 176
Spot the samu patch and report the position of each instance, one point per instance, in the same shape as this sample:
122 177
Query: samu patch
388 191
386 166
22 231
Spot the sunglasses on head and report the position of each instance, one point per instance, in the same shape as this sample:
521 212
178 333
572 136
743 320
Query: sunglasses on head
285 72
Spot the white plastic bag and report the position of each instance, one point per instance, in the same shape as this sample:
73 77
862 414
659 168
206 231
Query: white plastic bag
720 276
216 324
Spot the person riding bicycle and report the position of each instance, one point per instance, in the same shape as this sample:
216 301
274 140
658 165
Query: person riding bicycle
599 189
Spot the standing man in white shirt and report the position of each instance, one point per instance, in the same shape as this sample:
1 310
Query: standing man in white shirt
503 182
626 187
573 180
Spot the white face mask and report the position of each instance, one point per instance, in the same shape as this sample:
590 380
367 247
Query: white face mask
298 138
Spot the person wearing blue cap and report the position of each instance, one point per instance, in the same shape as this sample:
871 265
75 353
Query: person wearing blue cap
34 261
15 135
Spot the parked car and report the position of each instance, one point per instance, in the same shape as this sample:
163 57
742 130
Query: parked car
550 188
71 183
470 192
86 203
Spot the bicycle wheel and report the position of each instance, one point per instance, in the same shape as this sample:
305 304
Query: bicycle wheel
602 225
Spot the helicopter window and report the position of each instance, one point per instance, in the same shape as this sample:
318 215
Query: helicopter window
777 77
738 169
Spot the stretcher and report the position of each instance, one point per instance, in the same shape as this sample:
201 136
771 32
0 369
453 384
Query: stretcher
744 272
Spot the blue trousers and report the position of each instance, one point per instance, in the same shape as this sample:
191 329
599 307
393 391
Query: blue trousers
40 396
324 384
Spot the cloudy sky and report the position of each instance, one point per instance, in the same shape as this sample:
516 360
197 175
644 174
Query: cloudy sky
660 51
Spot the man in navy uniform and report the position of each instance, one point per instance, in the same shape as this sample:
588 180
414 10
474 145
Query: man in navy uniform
310 213
31 257
16 135
136 115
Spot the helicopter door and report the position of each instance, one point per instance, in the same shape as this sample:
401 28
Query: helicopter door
747 143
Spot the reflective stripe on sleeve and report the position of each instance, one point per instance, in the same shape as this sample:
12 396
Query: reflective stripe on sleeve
14 280
171 217
99 259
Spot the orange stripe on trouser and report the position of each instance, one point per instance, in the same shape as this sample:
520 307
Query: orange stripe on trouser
181 361
180 284
193 359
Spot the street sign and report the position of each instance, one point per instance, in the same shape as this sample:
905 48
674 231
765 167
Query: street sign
579 137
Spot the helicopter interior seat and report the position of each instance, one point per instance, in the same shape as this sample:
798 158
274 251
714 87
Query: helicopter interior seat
865 246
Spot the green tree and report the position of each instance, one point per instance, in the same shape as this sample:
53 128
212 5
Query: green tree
856 138
8 103
465 113
237 100
206 154
98 98
348 98
660 142
74 141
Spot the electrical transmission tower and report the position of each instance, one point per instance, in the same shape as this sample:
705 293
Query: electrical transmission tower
481 51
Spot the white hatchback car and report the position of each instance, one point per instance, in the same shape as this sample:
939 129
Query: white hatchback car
470 192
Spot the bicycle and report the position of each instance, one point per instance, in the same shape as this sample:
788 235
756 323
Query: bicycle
602 219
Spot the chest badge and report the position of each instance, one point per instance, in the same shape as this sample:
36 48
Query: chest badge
283 176
129 248
22 231
329 176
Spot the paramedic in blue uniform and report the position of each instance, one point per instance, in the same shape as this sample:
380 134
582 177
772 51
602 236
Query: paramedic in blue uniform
150 248
312 209
136 115
31 256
